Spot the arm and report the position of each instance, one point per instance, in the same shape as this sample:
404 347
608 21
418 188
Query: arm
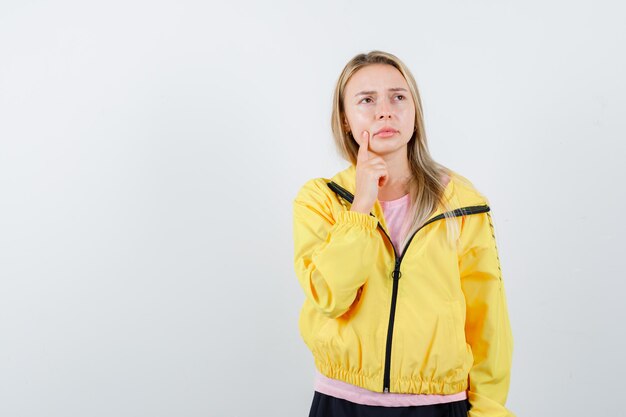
332 257
487 327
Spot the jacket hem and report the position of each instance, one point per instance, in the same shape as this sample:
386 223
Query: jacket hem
402 386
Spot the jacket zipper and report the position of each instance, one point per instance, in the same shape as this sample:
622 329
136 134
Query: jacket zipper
396 273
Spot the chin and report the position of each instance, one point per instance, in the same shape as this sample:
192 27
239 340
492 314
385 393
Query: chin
391 146
386 151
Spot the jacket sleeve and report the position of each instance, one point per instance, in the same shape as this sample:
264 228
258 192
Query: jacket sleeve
332 256
487 326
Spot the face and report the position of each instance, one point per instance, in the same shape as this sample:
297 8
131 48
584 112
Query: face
377 96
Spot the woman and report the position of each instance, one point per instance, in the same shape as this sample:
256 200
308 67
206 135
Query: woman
405 310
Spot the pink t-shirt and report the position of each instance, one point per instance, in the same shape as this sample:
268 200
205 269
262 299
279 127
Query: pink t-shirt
395 212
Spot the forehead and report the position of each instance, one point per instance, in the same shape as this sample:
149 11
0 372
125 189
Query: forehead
377 77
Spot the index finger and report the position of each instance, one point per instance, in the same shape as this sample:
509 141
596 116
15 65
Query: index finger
363 154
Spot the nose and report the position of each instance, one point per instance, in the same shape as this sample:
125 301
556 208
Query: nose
382 110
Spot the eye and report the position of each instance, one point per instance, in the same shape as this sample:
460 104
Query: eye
366 98
400 95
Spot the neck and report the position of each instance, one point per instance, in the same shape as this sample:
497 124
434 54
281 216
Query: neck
399 173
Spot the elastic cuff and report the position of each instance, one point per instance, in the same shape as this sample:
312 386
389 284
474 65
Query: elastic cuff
357 218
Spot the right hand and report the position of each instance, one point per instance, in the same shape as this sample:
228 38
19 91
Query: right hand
371 173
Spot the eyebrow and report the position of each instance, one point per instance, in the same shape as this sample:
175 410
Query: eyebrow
374 92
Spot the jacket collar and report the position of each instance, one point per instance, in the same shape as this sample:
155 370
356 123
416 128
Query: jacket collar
468 201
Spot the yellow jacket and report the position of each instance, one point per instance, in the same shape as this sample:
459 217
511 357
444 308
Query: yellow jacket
432 320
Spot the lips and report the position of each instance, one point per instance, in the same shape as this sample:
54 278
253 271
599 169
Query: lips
386 131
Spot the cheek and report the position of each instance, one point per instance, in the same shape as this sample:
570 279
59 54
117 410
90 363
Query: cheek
361 111
358 117
407 116
408 111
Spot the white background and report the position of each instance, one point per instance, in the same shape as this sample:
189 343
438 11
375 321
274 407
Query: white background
150 152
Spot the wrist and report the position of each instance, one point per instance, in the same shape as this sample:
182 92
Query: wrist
359 208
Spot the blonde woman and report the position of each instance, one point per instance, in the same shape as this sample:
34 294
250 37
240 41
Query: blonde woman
405 310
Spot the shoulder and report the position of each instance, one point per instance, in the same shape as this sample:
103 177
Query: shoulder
318 188
466 191
315 195
315 188
315 201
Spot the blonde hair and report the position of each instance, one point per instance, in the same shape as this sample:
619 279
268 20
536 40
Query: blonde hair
426 188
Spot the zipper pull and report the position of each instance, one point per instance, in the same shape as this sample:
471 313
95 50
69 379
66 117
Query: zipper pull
396 274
